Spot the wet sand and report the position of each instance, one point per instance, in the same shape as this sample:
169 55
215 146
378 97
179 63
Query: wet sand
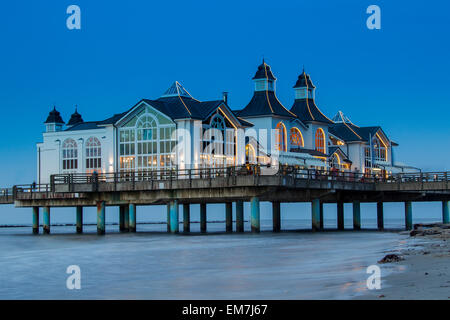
425 270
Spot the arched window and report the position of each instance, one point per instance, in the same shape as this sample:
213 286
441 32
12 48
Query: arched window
335 161
320 140
147 144
296 138
93 155
280 141
69 155
379 149
250 154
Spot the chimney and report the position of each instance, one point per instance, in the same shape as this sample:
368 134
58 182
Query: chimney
225 97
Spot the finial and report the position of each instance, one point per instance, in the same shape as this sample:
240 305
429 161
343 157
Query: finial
76 108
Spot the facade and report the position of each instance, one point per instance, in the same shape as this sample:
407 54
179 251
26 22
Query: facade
177 131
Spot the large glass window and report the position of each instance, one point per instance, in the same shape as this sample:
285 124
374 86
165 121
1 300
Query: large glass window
69 156
296 138
93 155
379 149
280 137
320 140
147 146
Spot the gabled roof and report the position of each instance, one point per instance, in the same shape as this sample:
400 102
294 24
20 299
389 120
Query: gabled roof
308 151
349 132
265 103
334 149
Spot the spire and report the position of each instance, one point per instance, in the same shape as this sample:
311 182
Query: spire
75 118
340 117
176 90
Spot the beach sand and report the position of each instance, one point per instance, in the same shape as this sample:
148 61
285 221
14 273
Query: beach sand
425 269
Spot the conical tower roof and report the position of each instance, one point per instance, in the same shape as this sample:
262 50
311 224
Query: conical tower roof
54 117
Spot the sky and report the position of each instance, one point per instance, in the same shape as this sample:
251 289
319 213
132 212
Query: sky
396 77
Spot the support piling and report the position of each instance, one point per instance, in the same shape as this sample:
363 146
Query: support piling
101 217
79 219
255 214
174 216
203 217
315 214
186 217
46 220
35 220
356 215
239 216
380 215
340 215
229 216
408 215
276 216
132 226
445 211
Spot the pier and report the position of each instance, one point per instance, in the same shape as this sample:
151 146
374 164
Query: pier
172 188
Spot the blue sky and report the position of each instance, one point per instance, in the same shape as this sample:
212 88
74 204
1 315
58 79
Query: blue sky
396 77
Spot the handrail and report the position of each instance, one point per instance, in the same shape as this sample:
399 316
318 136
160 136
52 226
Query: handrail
171 175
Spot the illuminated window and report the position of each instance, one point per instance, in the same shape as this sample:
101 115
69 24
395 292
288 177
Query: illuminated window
280 137
69 156
296 137
93 155
320 140
250 155
379 149
335 161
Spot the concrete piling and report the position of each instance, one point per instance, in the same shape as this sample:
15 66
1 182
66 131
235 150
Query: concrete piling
79 219
239 216
315 214
121 218
132 222
380 215
46 220
101 217
408 215
126 220
276 216
174 217
445 212
35 220
356 215
168 217
186 217
340 215
255 214
321 215
229 216
203 217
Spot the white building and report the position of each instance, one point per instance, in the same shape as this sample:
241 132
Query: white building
172 132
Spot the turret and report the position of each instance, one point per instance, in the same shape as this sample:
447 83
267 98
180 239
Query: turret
54 121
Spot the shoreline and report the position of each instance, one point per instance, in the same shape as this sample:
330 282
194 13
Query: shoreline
424 271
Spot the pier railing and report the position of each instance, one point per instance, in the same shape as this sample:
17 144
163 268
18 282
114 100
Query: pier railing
207 173
7 195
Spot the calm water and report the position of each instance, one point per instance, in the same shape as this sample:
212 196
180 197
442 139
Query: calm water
154 265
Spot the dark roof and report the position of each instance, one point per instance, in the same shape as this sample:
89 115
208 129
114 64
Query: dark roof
54 117
84 126
308 151
304 81
350 132
184 107
264 72
75 118
307 111
265 103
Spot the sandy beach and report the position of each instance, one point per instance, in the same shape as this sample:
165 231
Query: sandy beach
423 272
